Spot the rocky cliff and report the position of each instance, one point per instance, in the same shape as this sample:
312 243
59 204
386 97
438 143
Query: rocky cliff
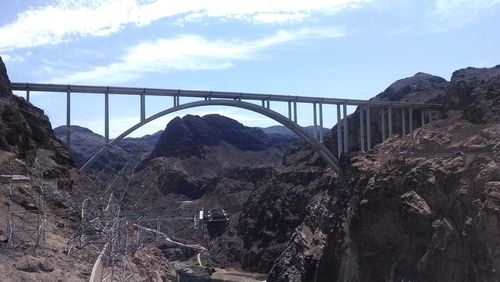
193 152
25 129
41 193
422 209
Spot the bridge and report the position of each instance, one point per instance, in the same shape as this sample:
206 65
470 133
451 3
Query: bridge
244 101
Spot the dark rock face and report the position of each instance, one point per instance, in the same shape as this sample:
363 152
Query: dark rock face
477 91
421 216
187 136
5 89
194 154
23 127
420 88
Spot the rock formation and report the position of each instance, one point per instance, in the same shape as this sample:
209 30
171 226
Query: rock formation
422 209
44 173
85 143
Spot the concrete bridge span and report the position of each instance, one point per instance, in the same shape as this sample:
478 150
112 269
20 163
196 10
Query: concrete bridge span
241 100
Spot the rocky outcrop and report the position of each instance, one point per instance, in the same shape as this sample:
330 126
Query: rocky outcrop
5 88
193 153
477 92
25 129
188 136
420 209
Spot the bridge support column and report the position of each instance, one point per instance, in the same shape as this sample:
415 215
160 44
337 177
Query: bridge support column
106 116
346 140
361 129
422 117
410 121
383 124
263 103
368 129
321 122
143 105
289 110
268 104
27 92
175 101
315 119
68 118
389 117
430 115
295 111
339 132
403 123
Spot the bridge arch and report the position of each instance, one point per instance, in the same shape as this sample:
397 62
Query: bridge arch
297 129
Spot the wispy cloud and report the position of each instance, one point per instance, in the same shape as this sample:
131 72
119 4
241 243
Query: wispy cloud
186 53
66 20
453 14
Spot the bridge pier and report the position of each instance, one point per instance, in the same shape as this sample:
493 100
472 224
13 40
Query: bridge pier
361 129
106 116
295 111
410 120
289 110
403 123
383 124
27 92
320 122
315 128
346 141
143 105
389 117
368 129
68 117
422 117
268 104
339 132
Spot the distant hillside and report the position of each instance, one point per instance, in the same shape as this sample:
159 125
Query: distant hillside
85 143
282 130
284 137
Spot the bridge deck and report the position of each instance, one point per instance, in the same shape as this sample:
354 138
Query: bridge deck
208 94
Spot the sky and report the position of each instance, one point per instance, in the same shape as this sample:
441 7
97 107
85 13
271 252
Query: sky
328 48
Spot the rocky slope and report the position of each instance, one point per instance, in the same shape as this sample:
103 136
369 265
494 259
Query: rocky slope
193 152
46 188
421 209
85 143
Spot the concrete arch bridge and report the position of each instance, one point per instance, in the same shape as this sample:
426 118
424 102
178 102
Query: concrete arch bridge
243 100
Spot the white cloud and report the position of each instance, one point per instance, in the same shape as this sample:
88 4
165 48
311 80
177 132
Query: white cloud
453 14
66 20
9 58
187 52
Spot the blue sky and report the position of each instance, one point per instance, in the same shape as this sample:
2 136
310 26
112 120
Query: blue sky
331 48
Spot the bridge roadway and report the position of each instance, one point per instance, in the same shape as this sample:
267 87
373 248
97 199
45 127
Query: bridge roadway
237 99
